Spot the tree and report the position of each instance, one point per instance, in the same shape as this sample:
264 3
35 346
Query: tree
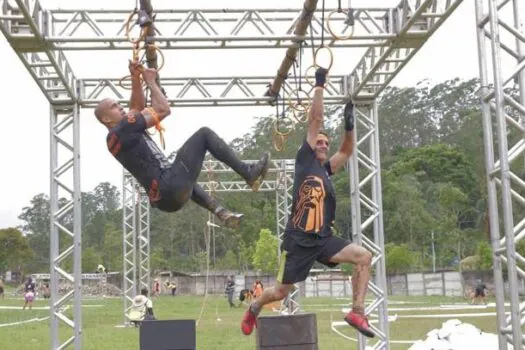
399 258
265 256
14 249
484 253
228 262
36 227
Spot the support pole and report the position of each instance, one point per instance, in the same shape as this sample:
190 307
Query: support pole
65 239
291 53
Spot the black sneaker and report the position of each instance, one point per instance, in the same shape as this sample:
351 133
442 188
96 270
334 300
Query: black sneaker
258 172
229 218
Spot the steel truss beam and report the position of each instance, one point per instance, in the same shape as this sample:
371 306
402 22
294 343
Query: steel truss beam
209 91
65 228
136 240
367 213
208 29
393 36
414 22
48 67
501 38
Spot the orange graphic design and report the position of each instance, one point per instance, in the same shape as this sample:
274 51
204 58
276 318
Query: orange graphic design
131 118
309 211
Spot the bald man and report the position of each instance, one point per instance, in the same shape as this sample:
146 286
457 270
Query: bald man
169 186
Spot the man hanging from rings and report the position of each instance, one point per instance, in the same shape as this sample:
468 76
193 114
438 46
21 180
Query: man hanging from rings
308 236
169 186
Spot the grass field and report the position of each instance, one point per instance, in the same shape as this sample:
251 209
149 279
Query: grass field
100 331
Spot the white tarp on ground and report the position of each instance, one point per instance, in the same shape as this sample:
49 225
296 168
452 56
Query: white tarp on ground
456 335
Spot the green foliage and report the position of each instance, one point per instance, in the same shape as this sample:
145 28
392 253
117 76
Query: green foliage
399 258
228 262
90 259
433 179
14 249
484 253
265 257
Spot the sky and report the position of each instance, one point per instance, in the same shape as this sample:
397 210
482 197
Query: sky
24 146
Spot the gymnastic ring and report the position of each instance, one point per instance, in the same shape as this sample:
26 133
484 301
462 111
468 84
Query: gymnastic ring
278 142
316 52
335 36
301 116
279 121
309 81
120 82
143 31
299 105
159 52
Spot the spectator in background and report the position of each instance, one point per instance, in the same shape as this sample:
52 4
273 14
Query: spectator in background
156 288
141 308
2 288
480 293
230 289
29 293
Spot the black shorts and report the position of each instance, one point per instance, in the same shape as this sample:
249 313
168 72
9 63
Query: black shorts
480 292
297 259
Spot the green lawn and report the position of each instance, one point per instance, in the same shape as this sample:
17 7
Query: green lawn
100 331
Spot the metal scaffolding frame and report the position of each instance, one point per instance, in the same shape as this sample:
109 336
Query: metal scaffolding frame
136 215
282 185
367 215
502 96
66 224
136 241
41 39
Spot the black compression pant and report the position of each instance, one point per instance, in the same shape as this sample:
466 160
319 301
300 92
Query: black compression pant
179 184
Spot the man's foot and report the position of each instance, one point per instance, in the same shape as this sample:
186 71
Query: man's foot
229 218
249 322
359 322
258 172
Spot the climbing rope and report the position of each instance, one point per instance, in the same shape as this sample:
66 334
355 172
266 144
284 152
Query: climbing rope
302 102
323 46
209 230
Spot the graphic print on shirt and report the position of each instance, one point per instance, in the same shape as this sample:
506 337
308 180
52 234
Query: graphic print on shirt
309 210
157 153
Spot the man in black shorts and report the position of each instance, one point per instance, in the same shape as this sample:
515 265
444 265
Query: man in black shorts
169 186
308 234
480 293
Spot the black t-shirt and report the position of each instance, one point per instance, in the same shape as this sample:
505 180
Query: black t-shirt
313 208
131 145
30 287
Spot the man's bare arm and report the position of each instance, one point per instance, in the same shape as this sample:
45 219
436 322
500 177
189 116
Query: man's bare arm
137 100
159 103
316 112
346 149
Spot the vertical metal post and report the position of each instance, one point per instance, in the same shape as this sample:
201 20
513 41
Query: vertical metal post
129 278
507 113
65 222
367 213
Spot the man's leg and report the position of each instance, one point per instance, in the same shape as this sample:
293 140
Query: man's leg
276 293
203 199
191 156
295 264
361 258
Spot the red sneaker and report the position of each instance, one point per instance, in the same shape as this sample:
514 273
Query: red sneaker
249 321
359 322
